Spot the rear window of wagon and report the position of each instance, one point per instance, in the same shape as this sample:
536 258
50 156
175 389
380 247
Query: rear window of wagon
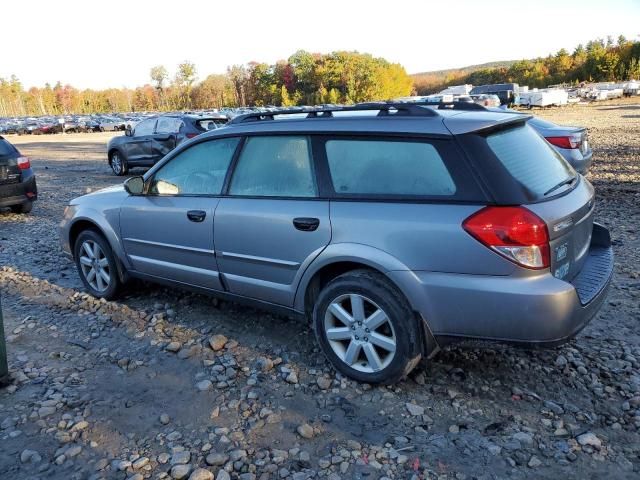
529 159
6 150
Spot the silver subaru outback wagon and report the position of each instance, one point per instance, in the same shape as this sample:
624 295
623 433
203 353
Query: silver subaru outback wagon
395 229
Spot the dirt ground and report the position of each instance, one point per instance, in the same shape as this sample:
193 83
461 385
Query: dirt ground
133 389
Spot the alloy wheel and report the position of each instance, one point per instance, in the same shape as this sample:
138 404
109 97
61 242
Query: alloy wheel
360 333
95 266
116 163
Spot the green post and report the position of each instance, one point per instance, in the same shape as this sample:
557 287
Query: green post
4 367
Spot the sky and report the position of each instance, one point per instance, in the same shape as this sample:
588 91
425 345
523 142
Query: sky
91 44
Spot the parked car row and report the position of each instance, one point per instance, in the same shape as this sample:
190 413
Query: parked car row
66 124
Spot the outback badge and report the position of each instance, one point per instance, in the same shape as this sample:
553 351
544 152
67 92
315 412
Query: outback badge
561 252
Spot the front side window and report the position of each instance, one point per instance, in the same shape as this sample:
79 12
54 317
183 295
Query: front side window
379 167
198 170
274 167
145 128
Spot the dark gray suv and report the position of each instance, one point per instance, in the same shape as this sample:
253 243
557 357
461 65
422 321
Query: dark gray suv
395 229
152 138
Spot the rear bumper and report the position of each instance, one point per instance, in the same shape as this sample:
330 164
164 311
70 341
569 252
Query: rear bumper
537 310
19 193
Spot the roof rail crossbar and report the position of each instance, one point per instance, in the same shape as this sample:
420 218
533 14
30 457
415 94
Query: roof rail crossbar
469 106
383 108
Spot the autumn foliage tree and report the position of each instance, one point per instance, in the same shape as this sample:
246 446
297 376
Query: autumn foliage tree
596 61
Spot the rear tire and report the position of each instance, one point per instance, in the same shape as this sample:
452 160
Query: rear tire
378 340
22 208
118 164
96 265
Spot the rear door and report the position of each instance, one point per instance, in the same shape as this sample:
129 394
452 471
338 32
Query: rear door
168 232
271 224
164 138
138 146
9 171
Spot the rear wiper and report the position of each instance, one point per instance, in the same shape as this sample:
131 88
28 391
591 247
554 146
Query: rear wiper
566 181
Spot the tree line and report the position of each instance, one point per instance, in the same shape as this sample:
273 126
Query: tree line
304 78
597 61
312 78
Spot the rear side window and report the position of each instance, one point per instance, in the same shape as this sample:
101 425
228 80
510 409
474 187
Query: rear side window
274 167
378 167
529 159
210 124
6 150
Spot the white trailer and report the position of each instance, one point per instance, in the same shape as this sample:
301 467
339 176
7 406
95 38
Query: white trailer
544 98
457 90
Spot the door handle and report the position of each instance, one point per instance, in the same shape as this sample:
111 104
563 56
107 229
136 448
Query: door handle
306 224
196 215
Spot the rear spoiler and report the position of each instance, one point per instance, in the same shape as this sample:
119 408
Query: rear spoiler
477 124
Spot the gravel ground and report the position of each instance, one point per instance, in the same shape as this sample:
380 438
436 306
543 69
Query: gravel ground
169 384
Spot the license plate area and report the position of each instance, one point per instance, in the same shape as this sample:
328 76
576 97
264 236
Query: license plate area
6 176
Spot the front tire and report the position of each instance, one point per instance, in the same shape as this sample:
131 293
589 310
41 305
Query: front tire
118 164
96 265
366 328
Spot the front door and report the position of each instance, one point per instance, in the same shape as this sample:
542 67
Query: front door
272 224
164 138
138 146
168 232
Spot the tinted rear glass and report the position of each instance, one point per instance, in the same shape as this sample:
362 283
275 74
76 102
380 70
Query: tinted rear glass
6 150
374 167
529 159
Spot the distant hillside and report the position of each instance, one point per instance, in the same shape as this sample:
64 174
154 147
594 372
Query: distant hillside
431 82
467 69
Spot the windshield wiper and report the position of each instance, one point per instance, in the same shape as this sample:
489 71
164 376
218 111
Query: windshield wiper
566 181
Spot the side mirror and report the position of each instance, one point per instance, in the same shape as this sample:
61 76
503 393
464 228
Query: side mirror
128 131
134 185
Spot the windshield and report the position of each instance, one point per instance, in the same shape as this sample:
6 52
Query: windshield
530 160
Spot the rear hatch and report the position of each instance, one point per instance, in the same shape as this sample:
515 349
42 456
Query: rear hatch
520 168
569 219
9 170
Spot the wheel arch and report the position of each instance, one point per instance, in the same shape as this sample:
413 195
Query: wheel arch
336 260
115 149
82 224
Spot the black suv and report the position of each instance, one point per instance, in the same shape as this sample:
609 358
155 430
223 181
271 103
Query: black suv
17 182
154 137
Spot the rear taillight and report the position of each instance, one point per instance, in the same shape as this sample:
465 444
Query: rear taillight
514 232
192 135
569 141
24 163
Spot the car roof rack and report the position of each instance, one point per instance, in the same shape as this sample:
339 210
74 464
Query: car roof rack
383 108
466 106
